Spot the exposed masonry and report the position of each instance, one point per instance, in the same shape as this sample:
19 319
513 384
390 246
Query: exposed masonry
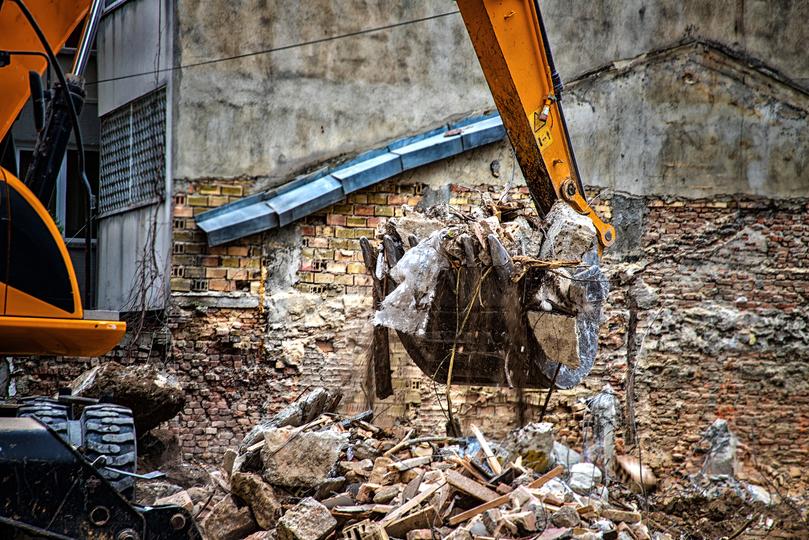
718 284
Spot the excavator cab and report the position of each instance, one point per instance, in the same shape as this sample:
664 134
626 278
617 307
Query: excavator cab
40 304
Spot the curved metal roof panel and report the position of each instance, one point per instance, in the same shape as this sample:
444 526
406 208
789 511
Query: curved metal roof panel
306 195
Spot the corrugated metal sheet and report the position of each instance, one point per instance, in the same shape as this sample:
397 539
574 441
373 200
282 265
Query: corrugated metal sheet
304 196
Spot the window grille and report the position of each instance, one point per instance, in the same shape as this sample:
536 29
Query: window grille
133 154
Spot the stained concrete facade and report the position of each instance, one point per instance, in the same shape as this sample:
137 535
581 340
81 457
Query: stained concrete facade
268 116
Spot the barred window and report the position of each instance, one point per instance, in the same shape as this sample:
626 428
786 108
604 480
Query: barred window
133 154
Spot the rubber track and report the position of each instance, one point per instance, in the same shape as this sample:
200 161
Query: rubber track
109 430
52 414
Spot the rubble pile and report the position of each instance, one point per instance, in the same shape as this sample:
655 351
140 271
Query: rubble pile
336 476
153 395
514 299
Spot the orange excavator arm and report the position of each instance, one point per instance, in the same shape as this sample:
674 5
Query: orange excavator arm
510 41
58 19
40 305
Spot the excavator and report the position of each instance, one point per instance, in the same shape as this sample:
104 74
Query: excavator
63 473
68 474
492 328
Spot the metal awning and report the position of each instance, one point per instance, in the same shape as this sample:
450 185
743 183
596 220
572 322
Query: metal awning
306 195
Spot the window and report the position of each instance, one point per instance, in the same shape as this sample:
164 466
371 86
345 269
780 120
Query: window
133 154
68 202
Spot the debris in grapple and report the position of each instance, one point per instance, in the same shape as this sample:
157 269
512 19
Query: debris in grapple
498 297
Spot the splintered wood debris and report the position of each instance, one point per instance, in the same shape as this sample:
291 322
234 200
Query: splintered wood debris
344 477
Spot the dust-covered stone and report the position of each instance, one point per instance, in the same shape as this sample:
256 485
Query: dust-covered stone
300 460
259 496
307 520
228 521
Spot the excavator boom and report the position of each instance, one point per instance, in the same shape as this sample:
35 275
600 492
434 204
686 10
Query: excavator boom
58 19
510 41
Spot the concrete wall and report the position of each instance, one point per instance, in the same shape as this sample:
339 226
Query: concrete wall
587 34
135 38
270 115
691 121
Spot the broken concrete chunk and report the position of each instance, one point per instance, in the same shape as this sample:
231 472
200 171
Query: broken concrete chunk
557 335
459 534
307 520
149 491
228 460
259 496
721 459
569 236
414 224
153 395
566 517
302 459
302 411
554 533
533 443
525 522
181 499
420 534
620 515
380 470
385 494
584 477
228 521
564 455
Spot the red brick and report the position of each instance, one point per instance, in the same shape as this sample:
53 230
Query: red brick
335 219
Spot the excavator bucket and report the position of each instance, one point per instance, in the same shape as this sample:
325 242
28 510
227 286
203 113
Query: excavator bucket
493 301
471 303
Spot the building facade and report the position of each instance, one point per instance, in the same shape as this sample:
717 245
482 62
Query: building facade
688 120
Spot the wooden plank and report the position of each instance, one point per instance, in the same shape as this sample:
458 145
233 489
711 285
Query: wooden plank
484 445
467 467
401 444
503 499
412 488
469 486
412 463
412 503
426 518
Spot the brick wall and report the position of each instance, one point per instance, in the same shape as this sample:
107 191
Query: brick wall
719 284
722 337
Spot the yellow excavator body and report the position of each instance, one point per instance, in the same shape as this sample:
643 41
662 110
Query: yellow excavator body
40 304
